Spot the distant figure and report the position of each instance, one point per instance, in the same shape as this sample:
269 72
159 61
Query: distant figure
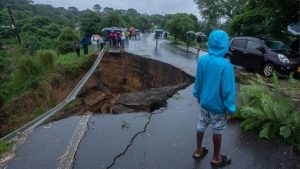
199 40
123 38
119 39
127 37
101 42
215 91
77 48
111 38
116 39
85 42
94 42
166 35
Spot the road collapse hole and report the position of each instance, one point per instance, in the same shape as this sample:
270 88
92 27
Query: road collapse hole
129 83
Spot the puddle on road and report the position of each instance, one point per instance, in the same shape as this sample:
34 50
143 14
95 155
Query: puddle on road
129 83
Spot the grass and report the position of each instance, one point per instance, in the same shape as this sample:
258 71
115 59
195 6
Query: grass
26 90
29 70
4 147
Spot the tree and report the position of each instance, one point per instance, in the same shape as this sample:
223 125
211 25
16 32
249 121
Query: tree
108 10
213 11
179 24
157 19
266 17
73 10
97 8
143 22
66 40
67 34
132 12
113 19
40 21
89 23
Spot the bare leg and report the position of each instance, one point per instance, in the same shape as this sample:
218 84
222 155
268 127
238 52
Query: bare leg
199 142
217 140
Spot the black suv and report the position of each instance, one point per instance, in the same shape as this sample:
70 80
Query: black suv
265 55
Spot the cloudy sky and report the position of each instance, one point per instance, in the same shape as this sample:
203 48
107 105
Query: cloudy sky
142 6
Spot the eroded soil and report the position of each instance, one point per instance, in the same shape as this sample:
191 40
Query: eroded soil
127 83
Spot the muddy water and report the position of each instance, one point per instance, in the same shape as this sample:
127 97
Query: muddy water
127 83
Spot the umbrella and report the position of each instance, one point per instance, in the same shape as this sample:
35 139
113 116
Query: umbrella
190 32
117 30
106 29
294 28
200 34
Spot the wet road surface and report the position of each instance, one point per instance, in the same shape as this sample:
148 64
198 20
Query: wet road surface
163 140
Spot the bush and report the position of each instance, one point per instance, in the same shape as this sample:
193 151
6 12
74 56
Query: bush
64 47
27 71
67 34
46 58
4 147
30 41
270 112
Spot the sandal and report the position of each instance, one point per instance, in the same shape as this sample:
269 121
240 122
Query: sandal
202 155
224 161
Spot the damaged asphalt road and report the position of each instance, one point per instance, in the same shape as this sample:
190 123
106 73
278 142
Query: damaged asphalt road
164 140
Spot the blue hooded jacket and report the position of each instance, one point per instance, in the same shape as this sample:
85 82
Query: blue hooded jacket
214 82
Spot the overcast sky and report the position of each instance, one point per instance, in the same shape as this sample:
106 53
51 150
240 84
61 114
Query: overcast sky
142 6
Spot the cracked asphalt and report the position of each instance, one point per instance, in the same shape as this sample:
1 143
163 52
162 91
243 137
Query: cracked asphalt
164 139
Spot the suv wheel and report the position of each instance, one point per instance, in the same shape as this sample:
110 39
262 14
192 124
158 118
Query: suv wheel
268 69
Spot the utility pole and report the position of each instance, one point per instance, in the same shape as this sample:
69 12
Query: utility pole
14 25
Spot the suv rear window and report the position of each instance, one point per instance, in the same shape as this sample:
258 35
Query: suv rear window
239 43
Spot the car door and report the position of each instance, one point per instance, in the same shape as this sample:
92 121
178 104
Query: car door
237 49
253 56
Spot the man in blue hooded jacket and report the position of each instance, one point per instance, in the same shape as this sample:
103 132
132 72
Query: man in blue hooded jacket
215 90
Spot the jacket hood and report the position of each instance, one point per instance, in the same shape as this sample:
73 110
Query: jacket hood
218 43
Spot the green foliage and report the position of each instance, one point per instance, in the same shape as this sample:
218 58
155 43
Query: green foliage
40 21
67 34
124 125
249 17
46 58
66 41
4 147
65 47
269 112
266 17
53 30
71 63
97 8
213 11
89 23
27 71
113 19
179 24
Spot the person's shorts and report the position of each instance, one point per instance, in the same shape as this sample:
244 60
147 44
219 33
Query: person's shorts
216 121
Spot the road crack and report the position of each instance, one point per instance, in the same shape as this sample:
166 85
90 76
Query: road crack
130 142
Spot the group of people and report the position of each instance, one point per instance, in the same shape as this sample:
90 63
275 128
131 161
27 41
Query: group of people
118 38
97 42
